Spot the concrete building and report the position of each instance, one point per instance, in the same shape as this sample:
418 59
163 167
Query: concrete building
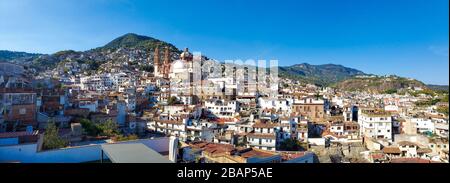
375 123
222 108
18 107
312 108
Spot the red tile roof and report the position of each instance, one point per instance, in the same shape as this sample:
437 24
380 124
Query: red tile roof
411 160
261 135
391 150
17 134
255 153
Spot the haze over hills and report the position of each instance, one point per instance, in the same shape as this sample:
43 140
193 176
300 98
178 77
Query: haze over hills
140 48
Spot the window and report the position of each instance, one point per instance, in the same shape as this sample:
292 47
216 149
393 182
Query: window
23 111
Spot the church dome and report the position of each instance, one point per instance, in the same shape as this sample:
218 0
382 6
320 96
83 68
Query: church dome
186 55
178 65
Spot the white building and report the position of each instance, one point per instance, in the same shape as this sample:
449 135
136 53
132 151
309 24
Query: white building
423 125
376 124
120 79
280 105
222 108
441 129
391 108
264 136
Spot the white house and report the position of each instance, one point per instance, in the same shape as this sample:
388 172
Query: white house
280 105
264 136
222 108
376 124
423 125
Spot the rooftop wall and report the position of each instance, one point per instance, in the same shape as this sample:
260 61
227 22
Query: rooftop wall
26 153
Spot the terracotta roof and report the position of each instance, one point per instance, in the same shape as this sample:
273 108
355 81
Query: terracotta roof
261 135
377 156
288 156
170 122
424 150
411 160
406 143
214 148
248 153
264 125
391 150
16 90
17 134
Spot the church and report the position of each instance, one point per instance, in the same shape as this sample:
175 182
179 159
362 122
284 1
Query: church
180 73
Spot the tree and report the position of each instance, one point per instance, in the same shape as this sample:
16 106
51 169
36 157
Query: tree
443 109
109 128
52 139
390 91
40 85
89 127
444 98
290 145
147 68
172 100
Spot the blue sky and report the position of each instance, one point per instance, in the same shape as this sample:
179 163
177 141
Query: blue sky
403 37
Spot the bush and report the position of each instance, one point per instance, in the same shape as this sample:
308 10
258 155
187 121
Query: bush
429 102
52 139
125 138
147 68
89 127
443 109
390 91
291 145
172 100
108 128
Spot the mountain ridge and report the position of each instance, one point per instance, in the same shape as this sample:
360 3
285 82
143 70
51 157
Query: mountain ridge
324 74
135 41
141 47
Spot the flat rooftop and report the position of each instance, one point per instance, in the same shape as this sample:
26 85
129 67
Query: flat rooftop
133 153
